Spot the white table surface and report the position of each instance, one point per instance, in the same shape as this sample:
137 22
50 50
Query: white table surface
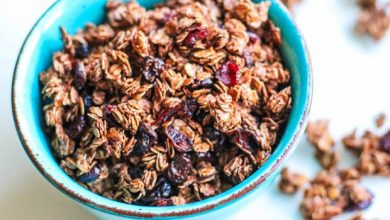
352 84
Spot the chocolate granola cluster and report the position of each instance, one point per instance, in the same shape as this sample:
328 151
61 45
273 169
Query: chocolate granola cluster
170 105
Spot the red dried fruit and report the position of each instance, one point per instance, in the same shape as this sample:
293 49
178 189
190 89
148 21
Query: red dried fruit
194 34
166 114
228 73
244 140
151 68
179 169
107 114
162 202
385 142
253 37
187 109
180 142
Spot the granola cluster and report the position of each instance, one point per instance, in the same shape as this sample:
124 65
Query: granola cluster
291 3
335 191
170 105
373 19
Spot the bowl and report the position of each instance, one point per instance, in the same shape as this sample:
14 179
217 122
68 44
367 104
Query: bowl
35 56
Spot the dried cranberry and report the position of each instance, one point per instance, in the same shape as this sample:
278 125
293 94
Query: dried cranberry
253 37
228 73
87 101
76 127
162 202
180 142
79 75
244 139
107 114
194 34
189 107
179 169
82 51
145 137
385 142
151 68
166 114
91 176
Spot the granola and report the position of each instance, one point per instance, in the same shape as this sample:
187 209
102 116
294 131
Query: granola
291 182
167 106
373 19
330 195
319 136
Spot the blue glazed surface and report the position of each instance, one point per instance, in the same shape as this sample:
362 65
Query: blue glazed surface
35 56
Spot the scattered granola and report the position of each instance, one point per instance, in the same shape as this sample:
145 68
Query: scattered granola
171 105
373 151
373 19
330 195
334 191
291 182
380 120
319 136
291 3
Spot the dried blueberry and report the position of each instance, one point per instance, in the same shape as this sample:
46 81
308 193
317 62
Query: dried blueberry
180 141
151 68
179 169
189 107
82 51
205 156
228 73
76 127
87 101
214 135
79 75
135 172
91 176
206 83
385 142
145 137
194 34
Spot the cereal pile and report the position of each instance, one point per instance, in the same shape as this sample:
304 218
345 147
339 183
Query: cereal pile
335 191
170 105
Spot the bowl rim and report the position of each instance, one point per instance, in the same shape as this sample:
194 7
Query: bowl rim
133 209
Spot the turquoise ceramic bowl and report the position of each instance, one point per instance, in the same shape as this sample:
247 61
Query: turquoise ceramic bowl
35 56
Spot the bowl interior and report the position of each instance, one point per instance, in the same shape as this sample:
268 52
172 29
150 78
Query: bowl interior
44 39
